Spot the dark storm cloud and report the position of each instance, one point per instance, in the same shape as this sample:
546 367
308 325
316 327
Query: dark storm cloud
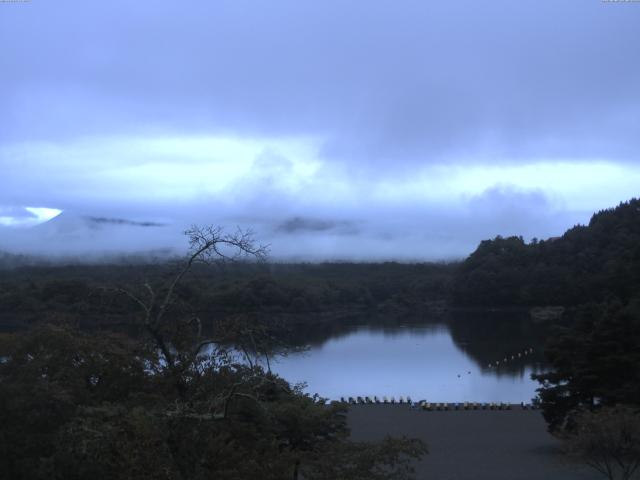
383 83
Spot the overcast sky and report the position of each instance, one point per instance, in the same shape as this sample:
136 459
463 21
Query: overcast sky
359 129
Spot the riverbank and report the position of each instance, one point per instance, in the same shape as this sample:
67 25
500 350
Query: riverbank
474 444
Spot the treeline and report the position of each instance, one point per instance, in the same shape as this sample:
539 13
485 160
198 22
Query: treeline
90 294
588 263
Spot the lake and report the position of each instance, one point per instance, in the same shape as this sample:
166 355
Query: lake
444 361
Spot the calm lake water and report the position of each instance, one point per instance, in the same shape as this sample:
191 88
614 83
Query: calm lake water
439 362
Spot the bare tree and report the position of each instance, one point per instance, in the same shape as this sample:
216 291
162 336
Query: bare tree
608 440
208 244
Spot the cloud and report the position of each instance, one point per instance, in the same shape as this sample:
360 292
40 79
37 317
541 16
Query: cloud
12 216
16 216
16 212
374 230
299 224
337 129
123 221
386 86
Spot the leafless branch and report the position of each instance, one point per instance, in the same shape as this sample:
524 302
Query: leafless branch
207 244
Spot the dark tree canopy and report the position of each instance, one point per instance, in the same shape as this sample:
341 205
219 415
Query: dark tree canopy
608 441
587 263
76 405
596 363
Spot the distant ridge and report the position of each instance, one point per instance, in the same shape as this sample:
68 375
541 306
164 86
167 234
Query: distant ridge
71 234
123 221
68 223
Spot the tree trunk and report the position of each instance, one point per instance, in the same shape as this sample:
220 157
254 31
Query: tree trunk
296 469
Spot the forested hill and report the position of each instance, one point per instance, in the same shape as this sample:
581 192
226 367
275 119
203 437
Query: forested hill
588 263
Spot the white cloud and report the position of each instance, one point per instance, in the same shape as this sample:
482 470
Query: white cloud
27 216
433 211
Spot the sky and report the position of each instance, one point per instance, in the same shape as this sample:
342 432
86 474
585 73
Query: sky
405 130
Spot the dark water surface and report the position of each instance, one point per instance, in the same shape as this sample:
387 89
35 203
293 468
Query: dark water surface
445 361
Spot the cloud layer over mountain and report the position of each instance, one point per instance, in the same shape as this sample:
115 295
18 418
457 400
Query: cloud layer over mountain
385 129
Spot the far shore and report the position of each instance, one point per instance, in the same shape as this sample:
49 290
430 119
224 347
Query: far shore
473 444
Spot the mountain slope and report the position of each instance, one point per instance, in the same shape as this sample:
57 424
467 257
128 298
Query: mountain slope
588 263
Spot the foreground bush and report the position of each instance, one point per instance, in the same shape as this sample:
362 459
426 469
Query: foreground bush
75 405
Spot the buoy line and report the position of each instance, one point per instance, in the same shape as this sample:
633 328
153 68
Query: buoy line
436 406
508 358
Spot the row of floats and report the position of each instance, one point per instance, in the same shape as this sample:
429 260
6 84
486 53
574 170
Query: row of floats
374 399
429 406
508 358
472 406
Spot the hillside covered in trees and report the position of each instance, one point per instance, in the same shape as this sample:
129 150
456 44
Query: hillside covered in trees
588 263
87 295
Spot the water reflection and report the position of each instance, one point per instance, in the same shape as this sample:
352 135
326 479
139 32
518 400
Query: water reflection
444 361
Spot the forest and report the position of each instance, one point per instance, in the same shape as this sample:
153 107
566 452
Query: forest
591 262
112 354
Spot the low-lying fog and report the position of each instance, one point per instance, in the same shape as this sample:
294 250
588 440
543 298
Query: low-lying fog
404 232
